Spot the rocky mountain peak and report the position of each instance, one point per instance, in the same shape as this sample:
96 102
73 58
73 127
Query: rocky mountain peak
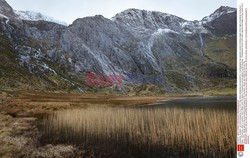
226 9
6 10
35 16
219 12
224 16
93 19
132 13
151 20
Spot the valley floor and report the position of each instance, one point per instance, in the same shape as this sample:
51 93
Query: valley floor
19 112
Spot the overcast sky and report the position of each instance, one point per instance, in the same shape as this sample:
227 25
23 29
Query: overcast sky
69 10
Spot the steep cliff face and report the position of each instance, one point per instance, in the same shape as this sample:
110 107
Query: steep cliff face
6 10
134 41
222 22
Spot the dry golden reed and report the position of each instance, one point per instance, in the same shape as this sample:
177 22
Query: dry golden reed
203 131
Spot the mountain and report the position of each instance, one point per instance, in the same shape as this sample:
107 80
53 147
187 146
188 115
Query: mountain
190 55
34 16
224 16
6 10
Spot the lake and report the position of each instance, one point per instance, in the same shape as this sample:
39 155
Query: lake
220 102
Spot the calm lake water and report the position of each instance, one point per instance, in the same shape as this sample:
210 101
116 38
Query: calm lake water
222 102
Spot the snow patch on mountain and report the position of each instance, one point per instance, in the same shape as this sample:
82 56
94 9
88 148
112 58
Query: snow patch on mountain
34 16
191 27
162 31
45 66
1 15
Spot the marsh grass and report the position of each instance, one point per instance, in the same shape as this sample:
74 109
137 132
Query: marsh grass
179 132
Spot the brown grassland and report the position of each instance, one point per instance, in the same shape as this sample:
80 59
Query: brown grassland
108 126
167 131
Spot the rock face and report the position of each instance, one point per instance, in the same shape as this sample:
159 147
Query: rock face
222 22
134 41
6 10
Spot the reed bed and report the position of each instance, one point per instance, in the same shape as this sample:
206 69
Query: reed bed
194 132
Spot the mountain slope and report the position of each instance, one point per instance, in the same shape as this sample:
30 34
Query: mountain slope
136 41
222 22
6 10
34 16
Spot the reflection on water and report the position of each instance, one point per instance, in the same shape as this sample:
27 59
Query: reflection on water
202 102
